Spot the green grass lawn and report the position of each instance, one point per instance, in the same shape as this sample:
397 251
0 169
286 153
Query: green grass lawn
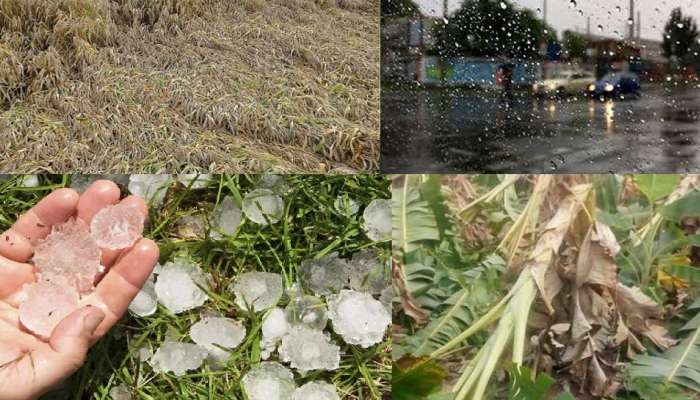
311 227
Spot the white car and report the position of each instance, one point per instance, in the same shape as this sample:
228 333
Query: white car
564 82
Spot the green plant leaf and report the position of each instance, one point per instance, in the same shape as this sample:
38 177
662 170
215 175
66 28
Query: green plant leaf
656 186
688 206
412 218
524 387
565 396
688 273
416 378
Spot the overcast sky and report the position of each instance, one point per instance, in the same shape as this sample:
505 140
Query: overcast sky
562 15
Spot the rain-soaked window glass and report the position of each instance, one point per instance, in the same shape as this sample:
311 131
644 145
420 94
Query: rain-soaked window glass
540 85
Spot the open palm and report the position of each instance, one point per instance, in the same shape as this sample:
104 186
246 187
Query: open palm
29 366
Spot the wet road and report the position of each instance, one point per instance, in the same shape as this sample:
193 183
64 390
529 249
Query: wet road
470 131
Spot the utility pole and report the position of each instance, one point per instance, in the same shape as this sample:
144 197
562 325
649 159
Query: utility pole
630 22
444 9
588 28
639 26
544 12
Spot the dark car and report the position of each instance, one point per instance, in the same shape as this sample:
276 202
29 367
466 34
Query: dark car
616 84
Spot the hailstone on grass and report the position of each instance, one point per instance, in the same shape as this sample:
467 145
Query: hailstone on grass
274 182
212 333
197 181
274 327
309 349
178 358
308 311
45 305
316 390
225 219
145 303
118 226
324 275
269 381
151 188
377 217
177 286
346 205
120 392
358 317
263 205
368 273
69 256
257 290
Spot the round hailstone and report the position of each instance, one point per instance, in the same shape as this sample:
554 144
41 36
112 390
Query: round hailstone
309 349
176 286
274 182
358 317
45 306
145 303
308 311
368 273
117 227
346 205
120 392
198 181
259 290
261 205
151 188
269 381
274 326
324 275
378 220
178 357
212 332
69 256
225 219
316 390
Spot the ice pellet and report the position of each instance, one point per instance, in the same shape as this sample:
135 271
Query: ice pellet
258 290
118 226
225 219
263 205
377 217
145 303
346 205
69 255
324 275
151 188
358 317
213 331
274 325
178 358
309 349
120 392
308 311
316 390
274 182
176 286
45 306
368 273
269 381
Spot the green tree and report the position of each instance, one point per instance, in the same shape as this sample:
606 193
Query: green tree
680 35
575 44
491 28
398 8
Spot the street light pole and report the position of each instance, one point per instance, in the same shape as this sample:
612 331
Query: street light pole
630 22
544 12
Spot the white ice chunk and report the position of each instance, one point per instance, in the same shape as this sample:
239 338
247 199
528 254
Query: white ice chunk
368 273
269 381
225 219
308 311
198 181
316 390
145 303
151 188
178 357
120 392
261 205
324 275
378 219
309 349
346 205
358 317
213 331
177 288
274 325
274 182
29 181
259 290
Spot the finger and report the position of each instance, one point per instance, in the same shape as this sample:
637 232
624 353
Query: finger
100 194
18 242
123 281
14 275
110 256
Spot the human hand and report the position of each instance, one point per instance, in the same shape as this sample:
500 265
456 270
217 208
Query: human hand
30 366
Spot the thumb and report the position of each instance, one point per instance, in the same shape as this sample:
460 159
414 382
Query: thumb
72 337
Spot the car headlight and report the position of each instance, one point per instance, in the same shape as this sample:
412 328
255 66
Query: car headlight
609 87
591 88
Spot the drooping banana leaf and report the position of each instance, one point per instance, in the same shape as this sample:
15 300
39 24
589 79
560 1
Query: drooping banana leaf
407 205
